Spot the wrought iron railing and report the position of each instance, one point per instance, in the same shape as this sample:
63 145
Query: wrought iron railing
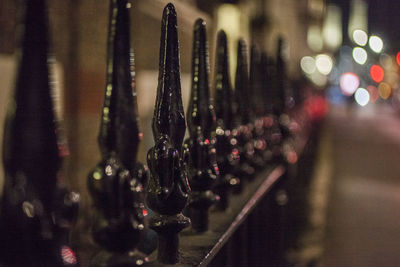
219 198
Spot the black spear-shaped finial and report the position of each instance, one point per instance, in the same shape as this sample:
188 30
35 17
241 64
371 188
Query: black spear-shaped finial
257 97
116 182
119 130
272 130
267 70
36 214
227 150
283 102
223 89
243 115
168 188
281 79
203 169
256 82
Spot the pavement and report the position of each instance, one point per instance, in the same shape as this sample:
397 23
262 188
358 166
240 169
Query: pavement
362 222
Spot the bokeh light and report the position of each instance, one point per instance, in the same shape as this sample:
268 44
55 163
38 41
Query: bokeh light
314 38
377 73
361 96
349 83
384 90
398 58
335 95
68 255
228 18
360 55
386 61
332 27
318 79
324 64
373 93
358 19
316 7
375 43
360 37
307 64
392 78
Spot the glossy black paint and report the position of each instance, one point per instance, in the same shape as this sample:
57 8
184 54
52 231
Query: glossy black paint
272 130
227 144
202 168
257 100
116 182
284 103
243 114
268 82
36 212
223 89
256 82
168 188
281 79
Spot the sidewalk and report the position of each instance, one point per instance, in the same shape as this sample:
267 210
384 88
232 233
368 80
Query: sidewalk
363 215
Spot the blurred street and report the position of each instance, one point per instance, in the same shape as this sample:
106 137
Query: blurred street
363 212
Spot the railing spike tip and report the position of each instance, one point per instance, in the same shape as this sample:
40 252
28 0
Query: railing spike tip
199 23
170 7
227 156
202 167
36 212
169 116
168 188
116 182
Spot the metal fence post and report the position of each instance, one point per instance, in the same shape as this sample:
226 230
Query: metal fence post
116 182
168 189
227 145
36 212
243 114
202 168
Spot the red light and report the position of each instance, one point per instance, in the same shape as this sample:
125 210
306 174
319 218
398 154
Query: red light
216 169
292 157
398 58
68 255
316 107
377 73
268 122
144 211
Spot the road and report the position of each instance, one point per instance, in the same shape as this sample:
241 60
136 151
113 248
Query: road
363 212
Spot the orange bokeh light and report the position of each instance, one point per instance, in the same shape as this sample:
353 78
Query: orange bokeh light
377 73
384 90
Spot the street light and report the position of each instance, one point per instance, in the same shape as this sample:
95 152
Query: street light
375 43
